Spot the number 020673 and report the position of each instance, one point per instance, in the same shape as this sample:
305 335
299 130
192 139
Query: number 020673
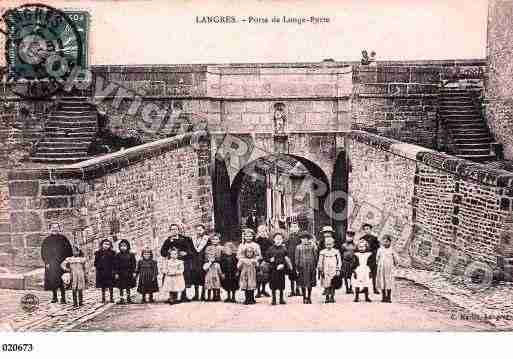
17 347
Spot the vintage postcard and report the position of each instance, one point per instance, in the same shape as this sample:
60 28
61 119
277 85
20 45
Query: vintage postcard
256 166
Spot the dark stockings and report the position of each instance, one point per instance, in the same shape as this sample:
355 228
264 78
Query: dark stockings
78 298
111 293
63 295
365 291
349 287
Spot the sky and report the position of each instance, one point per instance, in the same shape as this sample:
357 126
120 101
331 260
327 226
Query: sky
167 32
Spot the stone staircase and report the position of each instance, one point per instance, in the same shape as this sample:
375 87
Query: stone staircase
468 131
69 130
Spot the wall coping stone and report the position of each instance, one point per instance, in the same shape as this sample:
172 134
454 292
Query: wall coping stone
319 64
109 163
469 170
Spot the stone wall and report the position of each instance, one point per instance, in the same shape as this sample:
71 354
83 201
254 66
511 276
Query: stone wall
134 194
457 210
396 99
499 89
400 100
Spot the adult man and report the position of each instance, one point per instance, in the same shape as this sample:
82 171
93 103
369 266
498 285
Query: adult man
184 246
373 246
292 242
54 249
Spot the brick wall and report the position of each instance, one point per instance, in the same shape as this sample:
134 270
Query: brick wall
499 89
144 189
448 204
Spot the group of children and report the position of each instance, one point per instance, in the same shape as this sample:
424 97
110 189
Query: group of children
254 265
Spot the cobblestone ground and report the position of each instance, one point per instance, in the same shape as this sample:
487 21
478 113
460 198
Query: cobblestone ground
414 308
48 316
423 301
494 302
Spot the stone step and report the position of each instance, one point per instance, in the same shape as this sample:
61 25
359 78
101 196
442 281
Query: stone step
457 97
61 154
474 145
461 117
51 149
75 112
84 128
457 102
479 158
75 107
465 126
458 111
481 151
45 159
78 117
57 135
464 123
450 107
74 98
50 142
70 124
472 139
474 134
72 137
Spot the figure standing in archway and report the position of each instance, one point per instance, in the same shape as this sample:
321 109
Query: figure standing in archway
54 250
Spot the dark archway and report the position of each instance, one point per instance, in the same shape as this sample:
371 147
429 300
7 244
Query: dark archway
224 213
253 173
340 183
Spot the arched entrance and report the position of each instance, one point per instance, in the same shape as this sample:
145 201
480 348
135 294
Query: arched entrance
278 189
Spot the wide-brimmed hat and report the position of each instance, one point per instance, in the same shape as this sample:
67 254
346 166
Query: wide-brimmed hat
325 229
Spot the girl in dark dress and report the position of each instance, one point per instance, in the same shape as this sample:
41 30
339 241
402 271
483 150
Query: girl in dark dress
147 271
280 263
54 249
124 271
230 279
104 264
349 261
263 240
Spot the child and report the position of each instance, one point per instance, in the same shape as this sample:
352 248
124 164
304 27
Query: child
214 248
329 267
104 264
306 258
263 274
76 266
229 280
386 259
247 282
173 280
362 274
349 263
147 271
213 277
280 263
124 269
263 269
